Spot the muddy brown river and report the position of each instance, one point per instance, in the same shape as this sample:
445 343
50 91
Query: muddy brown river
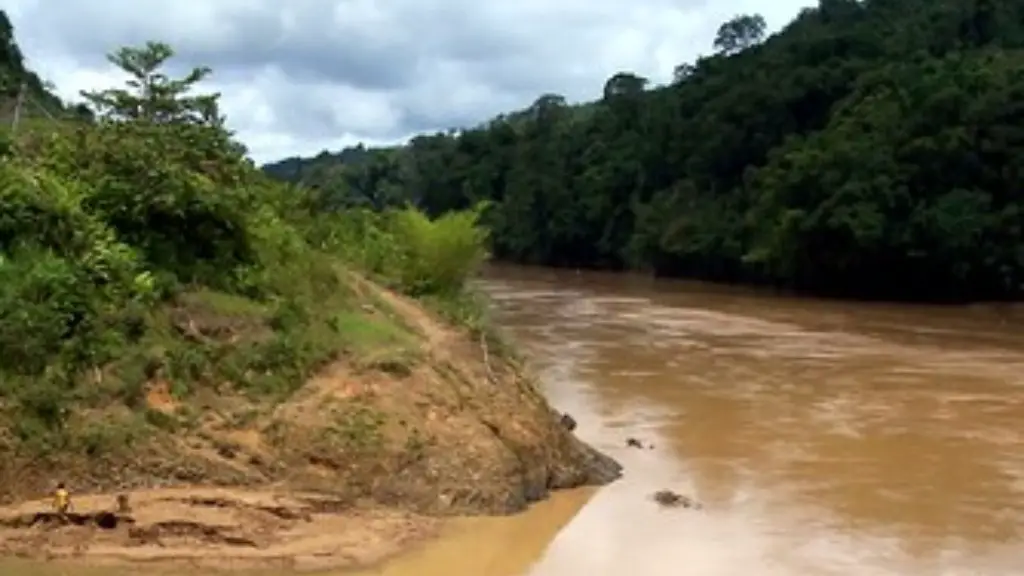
823 438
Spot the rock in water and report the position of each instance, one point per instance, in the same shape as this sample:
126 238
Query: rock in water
568 422
602 469
670 499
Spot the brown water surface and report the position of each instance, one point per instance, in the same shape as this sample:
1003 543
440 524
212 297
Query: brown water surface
824 438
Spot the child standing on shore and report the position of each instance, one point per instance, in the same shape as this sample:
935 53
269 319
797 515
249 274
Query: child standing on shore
61 499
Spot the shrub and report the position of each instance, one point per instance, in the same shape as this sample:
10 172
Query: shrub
406 249
436 257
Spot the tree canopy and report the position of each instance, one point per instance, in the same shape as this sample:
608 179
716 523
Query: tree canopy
152 96
865 150
740 33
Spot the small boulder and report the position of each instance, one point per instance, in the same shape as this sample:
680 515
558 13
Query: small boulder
670 499
568 422
634 443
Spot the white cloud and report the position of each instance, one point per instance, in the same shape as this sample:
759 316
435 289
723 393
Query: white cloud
302 76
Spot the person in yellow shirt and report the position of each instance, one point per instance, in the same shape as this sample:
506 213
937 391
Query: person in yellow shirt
61 499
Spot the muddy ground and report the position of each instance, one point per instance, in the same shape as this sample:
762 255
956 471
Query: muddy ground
351 469
220 529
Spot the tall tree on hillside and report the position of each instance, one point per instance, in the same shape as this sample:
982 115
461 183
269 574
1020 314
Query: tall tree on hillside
624 84
681 72
740 33
40 97
153 96
12 65
547 108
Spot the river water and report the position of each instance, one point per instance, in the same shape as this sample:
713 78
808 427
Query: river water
823 438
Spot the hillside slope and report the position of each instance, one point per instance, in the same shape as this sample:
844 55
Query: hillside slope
368 452
865 150
181 332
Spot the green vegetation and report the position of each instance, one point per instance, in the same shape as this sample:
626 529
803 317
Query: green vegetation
141 247
866 150
19 83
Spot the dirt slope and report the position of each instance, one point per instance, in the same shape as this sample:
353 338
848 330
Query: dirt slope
388 445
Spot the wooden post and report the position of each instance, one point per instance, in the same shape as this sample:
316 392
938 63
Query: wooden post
17 108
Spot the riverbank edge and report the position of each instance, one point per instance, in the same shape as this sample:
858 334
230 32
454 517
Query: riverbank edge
478 461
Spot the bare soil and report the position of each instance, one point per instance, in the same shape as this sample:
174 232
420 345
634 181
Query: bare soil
352 468
213 528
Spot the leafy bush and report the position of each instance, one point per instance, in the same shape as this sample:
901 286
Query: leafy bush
437 256
406 249
360 237
61 271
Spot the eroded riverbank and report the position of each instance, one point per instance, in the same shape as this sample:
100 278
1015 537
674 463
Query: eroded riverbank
353 468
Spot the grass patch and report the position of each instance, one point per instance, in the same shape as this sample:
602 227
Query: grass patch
471 310
109 434
367 333
355 428
224 305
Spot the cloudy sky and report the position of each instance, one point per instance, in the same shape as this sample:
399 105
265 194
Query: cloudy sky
301 76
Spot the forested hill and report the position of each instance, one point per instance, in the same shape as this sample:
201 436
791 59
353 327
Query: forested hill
869 149
37 99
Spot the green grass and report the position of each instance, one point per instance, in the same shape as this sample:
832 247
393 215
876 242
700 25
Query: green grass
471 310
225 305
364 333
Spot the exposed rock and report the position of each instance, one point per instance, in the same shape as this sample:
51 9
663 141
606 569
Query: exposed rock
670 499
634 443
569 422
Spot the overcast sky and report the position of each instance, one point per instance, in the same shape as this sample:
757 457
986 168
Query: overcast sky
301 76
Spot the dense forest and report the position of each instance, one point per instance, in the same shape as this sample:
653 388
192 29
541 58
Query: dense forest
865 150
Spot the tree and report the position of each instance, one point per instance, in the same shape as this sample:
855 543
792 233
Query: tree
624 84
682 72
151 95
547 107
11 60
740 33
15 79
